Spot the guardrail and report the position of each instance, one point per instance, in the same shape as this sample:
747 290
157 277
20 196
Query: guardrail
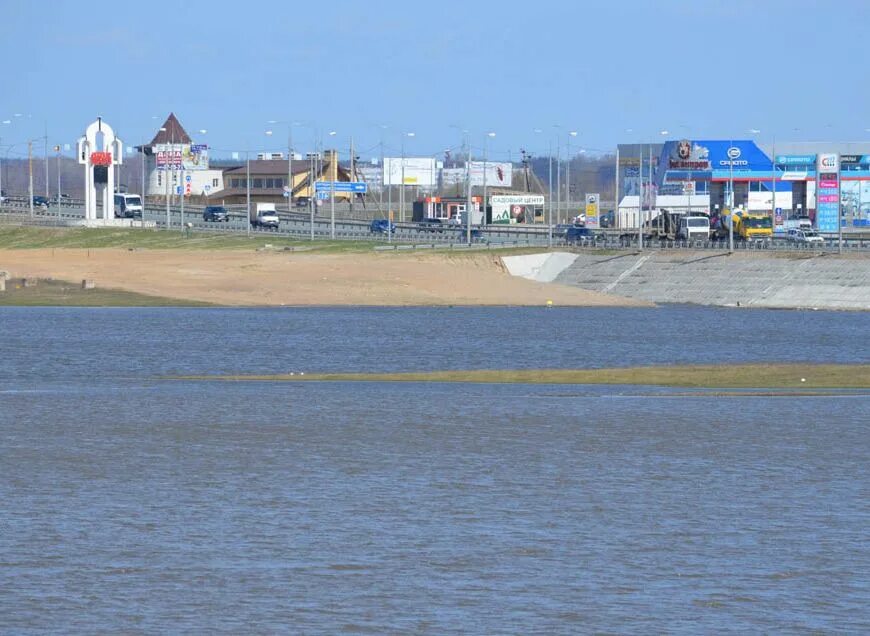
299 226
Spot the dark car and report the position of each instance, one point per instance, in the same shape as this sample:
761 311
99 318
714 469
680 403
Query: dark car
382 226
302 202
580 234
215 213
41 201
431 225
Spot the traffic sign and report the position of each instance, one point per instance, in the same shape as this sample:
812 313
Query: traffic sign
187 178
207 187
341 186
286 195
178 190
322 196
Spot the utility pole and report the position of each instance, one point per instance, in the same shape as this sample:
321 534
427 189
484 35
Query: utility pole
30 171
248 189
467 192
290 165
731 199
352 172
640 197
333 165
45 156
550 186
57 150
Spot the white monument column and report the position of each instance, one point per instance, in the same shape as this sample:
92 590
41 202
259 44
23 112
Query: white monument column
105 153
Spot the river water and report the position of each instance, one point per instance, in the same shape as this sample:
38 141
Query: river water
133 504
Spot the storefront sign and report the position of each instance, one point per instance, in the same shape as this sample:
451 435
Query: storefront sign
795 160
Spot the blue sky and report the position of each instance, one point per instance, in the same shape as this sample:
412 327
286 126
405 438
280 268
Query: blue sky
612 71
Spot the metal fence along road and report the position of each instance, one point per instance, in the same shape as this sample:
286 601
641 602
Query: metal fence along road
298 225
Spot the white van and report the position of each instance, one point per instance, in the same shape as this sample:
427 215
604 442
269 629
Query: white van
694 228
800 223
128 206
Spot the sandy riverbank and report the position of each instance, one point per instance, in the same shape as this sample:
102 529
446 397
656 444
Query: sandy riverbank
286 278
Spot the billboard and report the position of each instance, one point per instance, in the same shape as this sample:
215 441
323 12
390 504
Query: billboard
194 157
511 208
410 171
181 156
498 175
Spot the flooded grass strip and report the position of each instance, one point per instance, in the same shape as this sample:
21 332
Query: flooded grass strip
739 376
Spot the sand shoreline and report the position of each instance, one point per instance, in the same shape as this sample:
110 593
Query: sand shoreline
279 278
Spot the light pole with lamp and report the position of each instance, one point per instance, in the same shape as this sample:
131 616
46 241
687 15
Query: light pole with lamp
572 133
402 187
730 197
5 122
486 139
333 170
289 125
167 159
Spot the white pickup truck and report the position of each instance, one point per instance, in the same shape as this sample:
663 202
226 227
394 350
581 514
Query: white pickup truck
265 216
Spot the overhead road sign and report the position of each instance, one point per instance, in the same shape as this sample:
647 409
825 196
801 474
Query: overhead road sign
341 186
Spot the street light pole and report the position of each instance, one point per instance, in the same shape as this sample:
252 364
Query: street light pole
30 173
248 190
485 153
731 199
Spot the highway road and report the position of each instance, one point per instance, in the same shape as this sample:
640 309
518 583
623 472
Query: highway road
299 225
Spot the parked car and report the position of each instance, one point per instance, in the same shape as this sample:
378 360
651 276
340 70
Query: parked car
215 213
431 225
382 226
580 234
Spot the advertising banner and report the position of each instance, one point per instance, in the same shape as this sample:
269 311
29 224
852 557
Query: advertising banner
410 171
511 208
194 157
169 156
498 175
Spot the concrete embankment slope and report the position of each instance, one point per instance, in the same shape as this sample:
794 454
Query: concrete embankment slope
747 279
754 279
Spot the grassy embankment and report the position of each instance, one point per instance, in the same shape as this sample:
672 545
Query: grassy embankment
797 376
55 293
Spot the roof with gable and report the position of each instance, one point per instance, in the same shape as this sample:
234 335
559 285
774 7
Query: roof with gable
172 132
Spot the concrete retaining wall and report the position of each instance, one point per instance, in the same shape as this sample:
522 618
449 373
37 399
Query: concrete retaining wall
751 280
544 267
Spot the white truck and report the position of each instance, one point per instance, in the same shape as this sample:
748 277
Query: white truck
799 223
693 228
265 216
